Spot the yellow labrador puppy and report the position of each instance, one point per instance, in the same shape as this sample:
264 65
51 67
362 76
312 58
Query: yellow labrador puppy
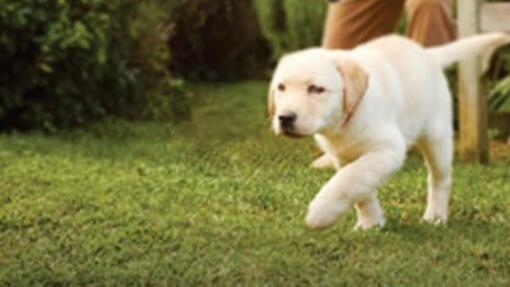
365 108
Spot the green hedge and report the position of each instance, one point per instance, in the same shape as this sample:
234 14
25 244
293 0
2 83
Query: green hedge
291 24
232 39
64 63
217 40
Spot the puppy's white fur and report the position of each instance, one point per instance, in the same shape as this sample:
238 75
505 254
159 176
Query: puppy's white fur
379 100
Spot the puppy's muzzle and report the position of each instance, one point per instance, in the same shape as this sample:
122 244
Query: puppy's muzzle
287 121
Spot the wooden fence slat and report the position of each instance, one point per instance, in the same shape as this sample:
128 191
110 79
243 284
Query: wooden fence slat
474 142
495 17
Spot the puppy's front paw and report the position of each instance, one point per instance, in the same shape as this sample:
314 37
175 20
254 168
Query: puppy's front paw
322 214
318 220
324 161
369 223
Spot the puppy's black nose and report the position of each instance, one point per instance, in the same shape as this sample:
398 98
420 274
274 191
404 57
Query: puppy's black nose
287 121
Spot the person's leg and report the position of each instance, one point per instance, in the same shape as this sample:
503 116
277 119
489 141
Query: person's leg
430 22
352 22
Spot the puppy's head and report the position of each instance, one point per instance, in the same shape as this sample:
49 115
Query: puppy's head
313 90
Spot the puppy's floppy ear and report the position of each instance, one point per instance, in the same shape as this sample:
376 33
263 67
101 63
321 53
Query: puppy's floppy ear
270 102
355 81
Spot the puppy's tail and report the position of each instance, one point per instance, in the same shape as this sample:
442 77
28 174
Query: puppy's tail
480 45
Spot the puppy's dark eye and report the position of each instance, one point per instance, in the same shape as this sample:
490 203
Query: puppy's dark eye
281 87
313 89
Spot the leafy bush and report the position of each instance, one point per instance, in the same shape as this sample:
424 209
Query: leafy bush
217 40
232 39
500 81
64 63
291 24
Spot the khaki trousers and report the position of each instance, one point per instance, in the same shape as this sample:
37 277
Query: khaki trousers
352 22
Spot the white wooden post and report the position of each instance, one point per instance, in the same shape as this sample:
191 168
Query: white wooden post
474 142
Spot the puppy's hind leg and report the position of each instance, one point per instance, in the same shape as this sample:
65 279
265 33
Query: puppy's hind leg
437 152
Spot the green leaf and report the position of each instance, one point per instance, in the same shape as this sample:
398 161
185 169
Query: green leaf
46 68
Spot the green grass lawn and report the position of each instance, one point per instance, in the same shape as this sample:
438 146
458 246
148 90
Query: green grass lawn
221 201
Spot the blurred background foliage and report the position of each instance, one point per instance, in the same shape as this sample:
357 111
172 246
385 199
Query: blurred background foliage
499 74
217 40
66 63
291 24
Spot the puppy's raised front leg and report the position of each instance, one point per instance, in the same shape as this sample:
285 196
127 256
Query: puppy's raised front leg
356 182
